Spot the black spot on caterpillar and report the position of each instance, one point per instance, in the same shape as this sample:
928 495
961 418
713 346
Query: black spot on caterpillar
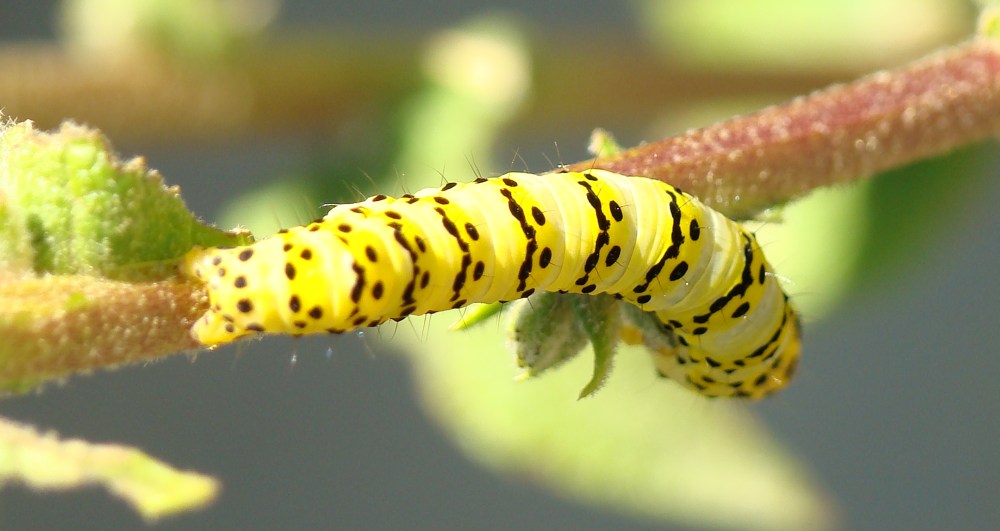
700 276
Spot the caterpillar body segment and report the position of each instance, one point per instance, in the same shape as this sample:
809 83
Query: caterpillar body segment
699 276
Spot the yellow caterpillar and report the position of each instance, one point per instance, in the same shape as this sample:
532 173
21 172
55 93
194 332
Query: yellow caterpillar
701 275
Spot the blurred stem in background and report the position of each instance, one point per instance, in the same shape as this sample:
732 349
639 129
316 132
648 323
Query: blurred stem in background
295 81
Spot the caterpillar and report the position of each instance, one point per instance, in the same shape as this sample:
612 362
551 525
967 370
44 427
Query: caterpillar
701 276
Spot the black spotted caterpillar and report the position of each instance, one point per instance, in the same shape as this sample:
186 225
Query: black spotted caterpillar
700 275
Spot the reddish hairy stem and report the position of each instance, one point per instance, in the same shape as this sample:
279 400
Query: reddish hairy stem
740 166
839 134
53 326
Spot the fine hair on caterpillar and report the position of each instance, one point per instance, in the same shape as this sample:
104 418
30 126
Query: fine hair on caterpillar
713 313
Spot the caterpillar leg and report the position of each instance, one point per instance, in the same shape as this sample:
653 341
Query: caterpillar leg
766 369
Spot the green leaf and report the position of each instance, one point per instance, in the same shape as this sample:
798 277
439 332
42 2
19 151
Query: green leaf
195 31
599 318
603 144
837 242
642 445
476 315
69 206
989 19
756 36
44 462
543 332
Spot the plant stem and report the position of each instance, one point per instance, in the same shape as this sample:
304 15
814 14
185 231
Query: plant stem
80 323
740 166
308 84
840 134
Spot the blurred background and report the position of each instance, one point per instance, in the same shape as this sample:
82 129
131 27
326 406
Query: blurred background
891 423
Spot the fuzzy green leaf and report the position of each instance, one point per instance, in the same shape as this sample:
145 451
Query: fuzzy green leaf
641 445
77 209
44 462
